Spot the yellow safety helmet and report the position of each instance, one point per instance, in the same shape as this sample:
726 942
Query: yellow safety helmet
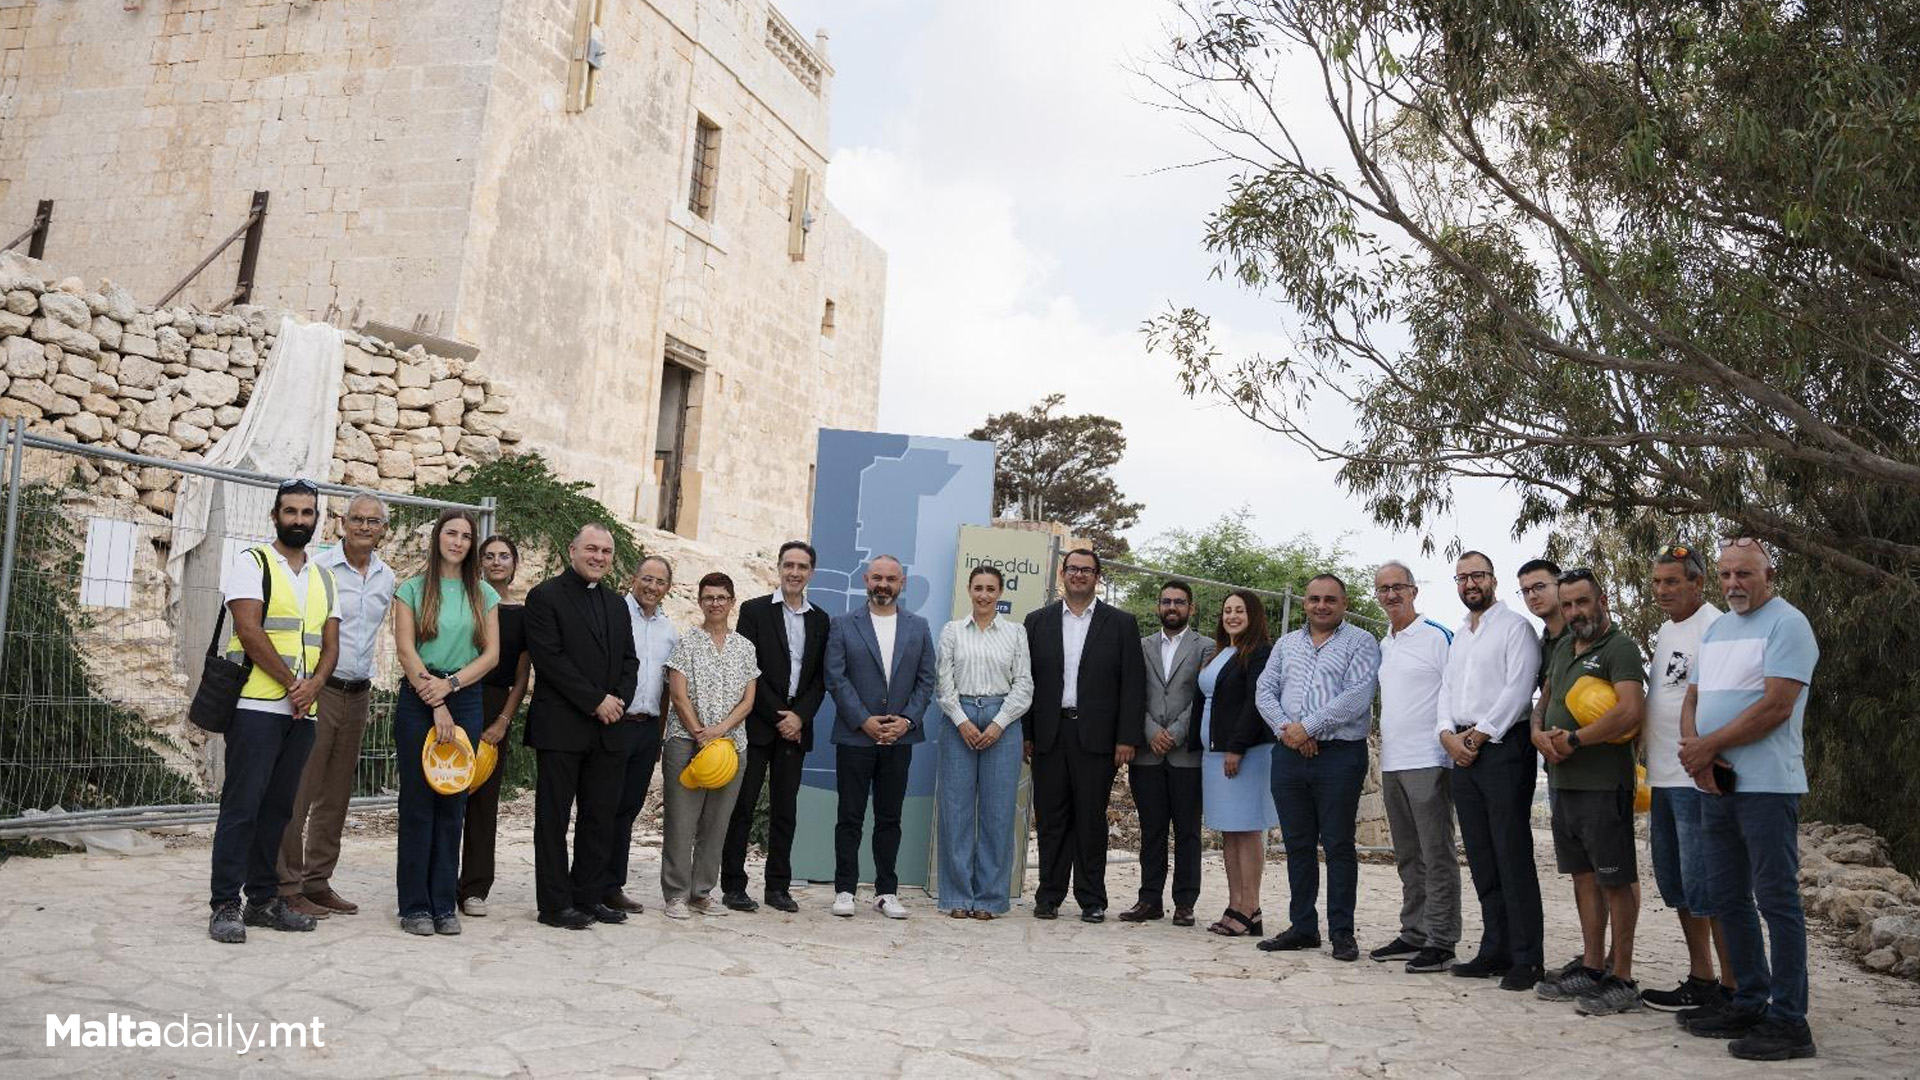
713 767
1589 698
1642 794
485 757
448 765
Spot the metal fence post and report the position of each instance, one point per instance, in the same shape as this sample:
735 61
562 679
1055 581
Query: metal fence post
1286 609
487 502
15 435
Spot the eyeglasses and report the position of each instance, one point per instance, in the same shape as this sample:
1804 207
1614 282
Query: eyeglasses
1535 589
716 599
656 582
359 522
1175 601
299 484
497 556
1571 576
1081 571
1474 576
1393 590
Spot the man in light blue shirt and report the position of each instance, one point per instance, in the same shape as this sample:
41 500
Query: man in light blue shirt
654 638
1317 695
310 848
1740 740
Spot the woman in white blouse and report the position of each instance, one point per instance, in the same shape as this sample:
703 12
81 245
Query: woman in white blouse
985 682
710 682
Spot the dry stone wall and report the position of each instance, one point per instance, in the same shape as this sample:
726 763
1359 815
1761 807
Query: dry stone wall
94 366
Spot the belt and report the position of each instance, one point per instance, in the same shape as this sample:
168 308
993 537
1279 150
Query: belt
349 686
642 716
983 697
1069 714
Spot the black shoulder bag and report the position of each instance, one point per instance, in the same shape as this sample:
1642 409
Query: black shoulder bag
220 678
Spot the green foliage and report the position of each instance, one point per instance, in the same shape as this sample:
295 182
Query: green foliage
1229 550
60 744
1641 261
541 511
1055 468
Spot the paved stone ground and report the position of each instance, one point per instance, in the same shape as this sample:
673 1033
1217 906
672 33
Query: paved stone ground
810 994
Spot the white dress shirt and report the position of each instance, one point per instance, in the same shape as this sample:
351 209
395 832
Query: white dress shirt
1073 642
1412 663
362 601
796 622
1492 671
654 637
1169 648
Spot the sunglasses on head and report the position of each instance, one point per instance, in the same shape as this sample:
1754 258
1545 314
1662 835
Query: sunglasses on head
1568 577
299 485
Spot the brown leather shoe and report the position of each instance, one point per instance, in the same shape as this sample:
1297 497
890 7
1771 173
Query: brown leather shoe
1182 916
306 907
331 901
618 900
1142 912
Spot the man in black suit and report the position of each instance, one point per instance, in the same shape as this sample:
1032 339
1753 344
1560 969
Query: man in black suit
789 636
581 643
1088 717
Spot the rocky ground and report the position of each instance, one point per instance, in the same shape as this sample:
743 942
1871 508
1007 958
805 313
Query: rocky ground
810 994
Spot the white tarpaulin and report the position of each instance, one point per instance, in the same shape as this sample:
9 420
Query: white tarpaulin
287 430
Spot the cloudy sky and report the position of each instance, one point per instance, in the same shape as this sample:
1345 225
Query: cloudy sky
1035 212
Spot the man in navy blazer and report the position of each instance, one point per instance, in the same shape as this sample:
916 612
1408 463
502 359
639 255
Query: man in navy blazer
881 675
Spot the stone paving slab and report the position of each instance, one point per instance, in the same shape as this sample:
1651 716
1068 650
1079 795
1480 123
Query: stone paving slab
813 995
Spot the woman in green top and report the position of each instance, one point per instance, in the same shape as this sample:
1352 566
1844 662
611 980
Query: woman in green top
446 630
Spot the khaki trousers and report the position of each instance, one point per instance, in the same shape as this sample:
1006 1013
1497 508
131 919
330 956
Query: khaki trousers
695 826
310 848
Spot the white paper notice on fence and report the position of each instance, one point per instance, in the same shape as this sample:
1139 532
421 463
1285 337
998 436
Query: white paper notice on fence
106 576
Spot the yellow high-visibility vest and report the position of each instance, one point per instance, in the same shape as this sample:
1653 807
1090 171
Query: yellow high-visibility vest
296 636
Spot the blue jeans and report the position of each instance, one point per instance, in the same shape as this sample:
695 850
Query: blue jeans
1318 799
976 791
1753 856
265 755
1679 849
427 867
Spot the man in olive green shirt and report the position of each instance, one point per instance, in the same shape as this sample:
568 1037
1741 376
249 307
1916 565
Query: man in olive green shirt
1592 780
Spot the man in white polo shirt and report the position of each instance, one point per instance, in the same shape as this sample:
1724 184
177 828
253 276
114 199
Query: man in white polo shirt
1416 779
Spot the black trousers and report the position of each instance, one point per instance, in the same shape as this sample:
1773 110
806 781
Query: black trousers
265 755
1168 795
858 770
633 798
1494 799
1071 790
778 763
589 781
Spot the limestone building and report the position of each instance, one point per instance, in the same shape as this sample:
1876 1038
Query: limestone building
621 203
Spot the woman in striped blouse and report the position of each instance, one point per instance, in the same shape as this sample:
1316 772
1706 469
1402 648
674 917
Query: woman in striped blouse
985 682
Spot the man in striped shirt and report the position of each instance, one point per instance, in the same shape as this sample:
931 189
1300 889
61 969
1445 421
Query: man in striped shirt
1317 695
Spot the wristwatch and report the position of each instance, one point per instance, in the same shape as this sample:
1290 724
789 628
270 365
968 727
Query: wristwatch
453 682
1573 740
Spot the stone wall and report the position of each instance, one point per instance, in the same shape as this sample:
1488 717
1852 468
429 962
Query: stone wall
1848 878
96 367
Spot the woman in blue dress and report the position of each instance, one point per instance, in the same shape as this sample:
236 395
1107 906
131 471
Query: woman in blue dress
1236 791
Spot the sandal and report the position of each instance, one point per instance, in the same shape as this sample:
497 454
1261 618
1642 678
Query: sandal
1253 924
984 916
1225 929
959 913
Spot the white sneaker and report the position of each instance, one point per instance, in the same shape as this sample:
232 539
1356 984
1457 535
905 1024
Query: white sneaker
677 909
890 906
474 907
704 905
843 905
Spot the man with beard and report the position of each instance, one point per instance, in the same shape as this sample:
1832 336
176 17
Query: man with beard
1741 742
1592 778
1415 782
1317 695
580 640
311 847
1492 668
880 671
1165 777
285 623
789 637
1088 718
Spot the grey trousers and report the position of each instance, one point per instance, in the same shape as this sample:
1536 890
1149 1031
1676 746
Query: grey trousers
1420 816
695 825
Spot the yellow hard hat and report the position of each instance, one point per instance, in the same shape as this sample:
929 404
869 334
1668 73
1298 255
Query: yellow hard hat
448 765
713 767
1642 794
1589 698
485 757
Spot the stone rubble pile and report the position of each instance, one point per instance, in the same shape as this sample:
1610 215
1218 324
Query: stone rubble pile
93 366
1848 878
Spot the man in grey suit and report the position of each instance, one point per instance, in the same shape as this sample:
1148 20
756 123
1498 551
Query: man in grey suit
1165 777
881 675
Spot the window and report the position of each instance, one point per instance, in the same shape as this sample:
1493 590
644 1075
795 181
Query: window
706 167
826 321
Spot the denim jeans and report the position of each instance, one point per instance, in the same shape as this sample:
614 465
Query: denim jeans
427 863
1319 800
1679 849
976 796
265 755
1753 857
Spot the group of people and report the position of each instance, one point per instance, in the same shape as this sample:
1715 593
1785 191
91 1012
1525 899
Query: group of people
1239 732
